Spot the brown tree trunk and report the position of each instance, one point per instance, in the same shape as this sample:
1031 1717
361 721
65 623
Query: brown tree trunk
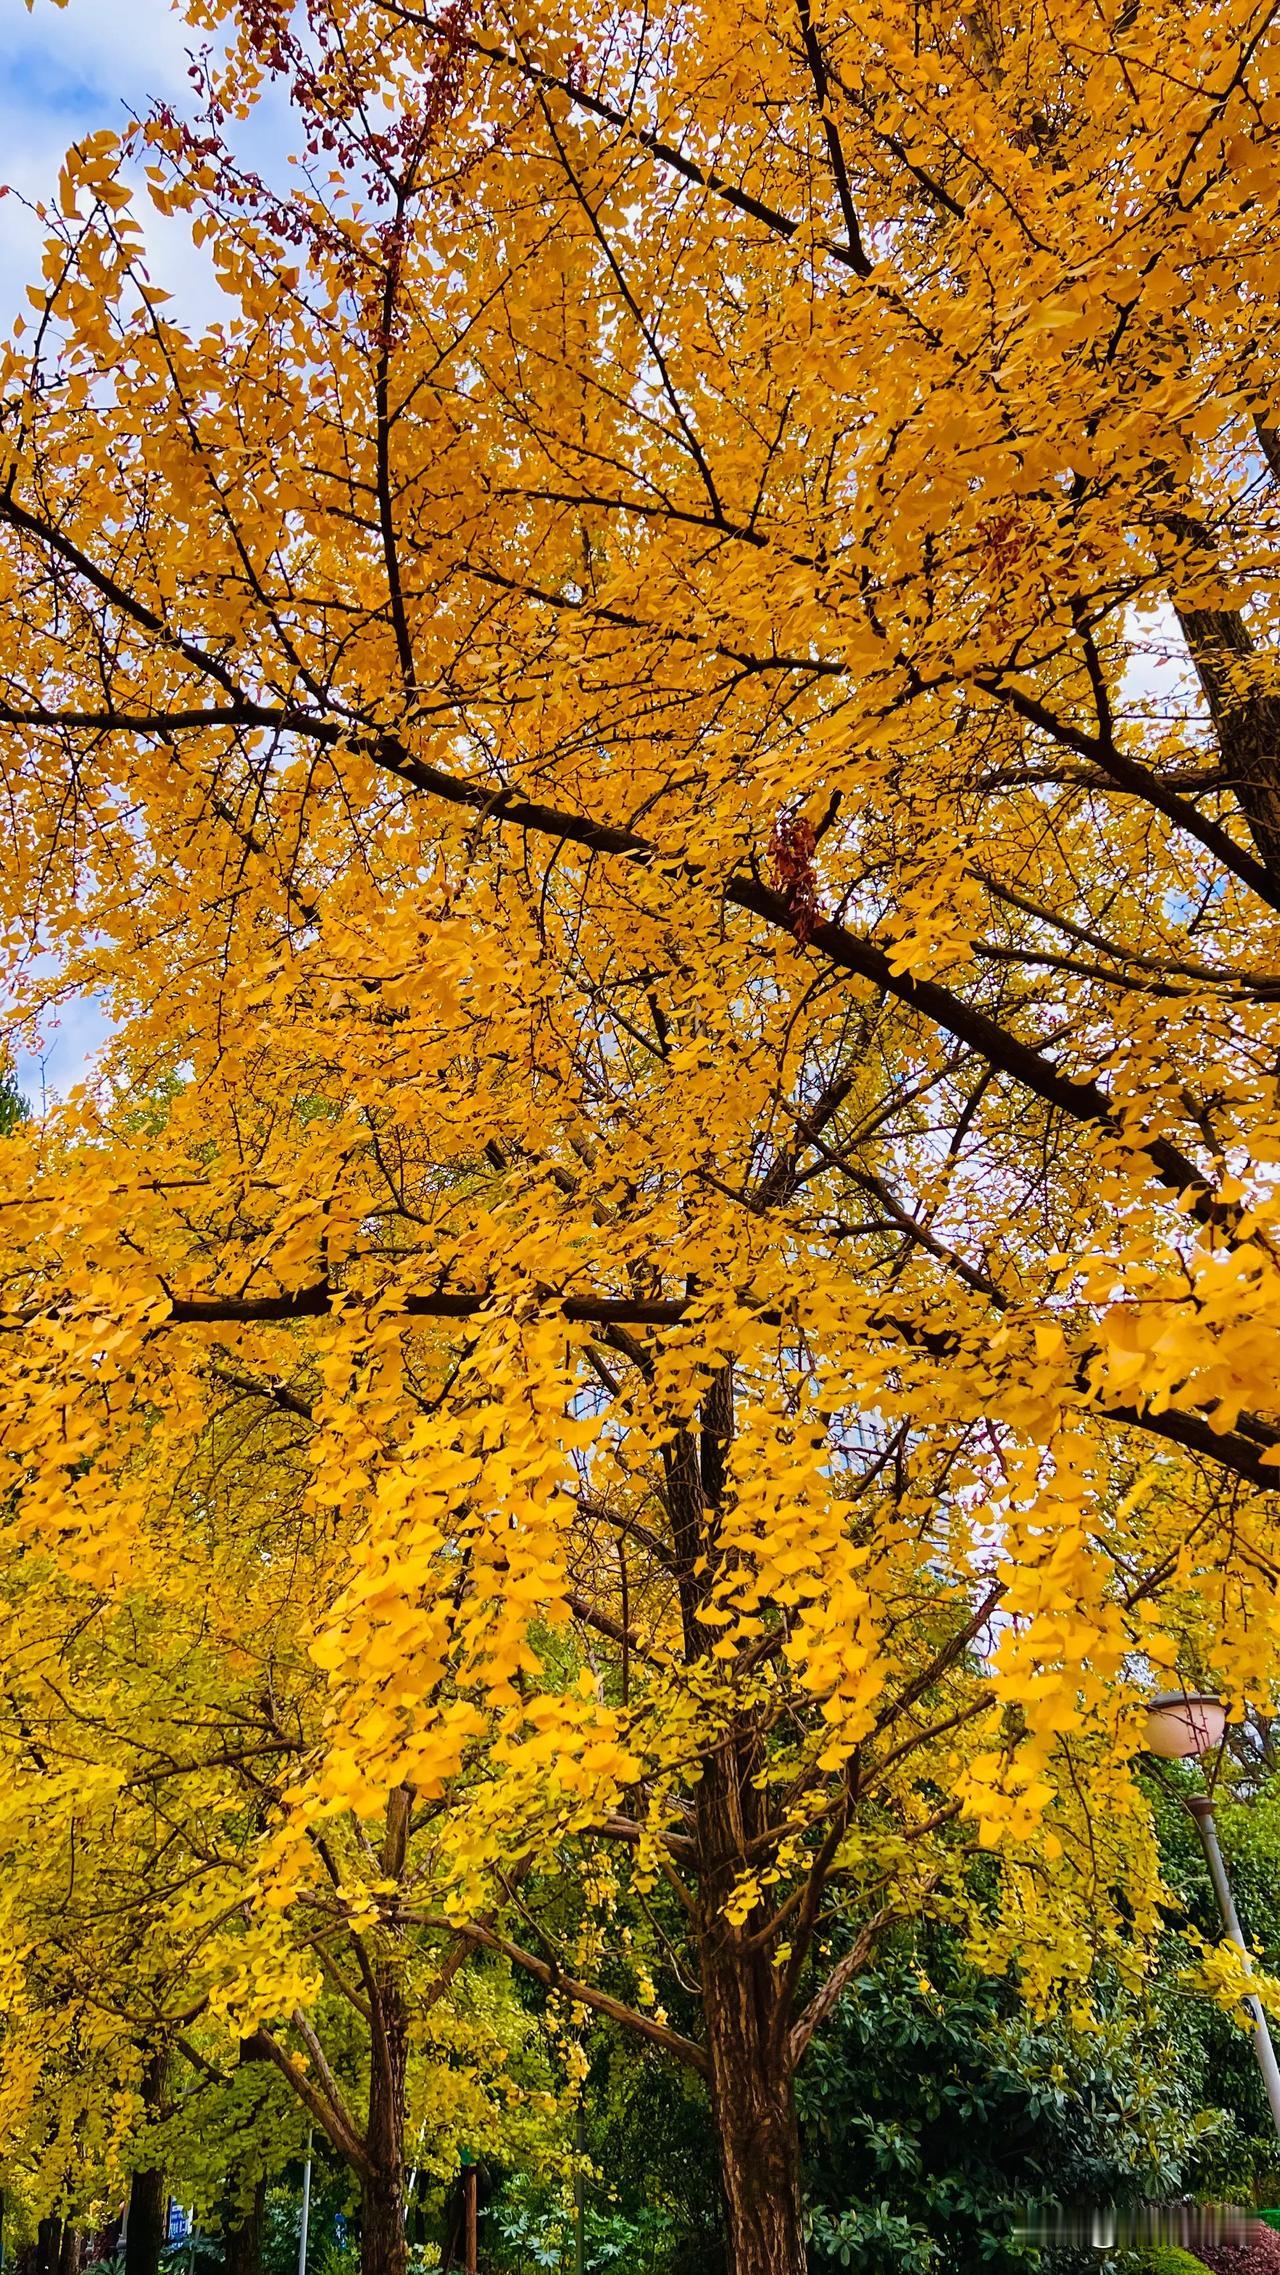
382 2238
242 2233
1246 718
144 2232
148 2195
69 2250
751 2091
382 2228
756 2127
245 2199
471 2221
751 2095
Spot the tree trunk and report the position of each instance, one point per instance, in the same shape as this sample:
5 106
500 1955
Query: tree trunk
242 2233
48 2246
1246 717
382 2231
146 2216
471 2221
69 2250
1244 710
144 2231
245 2198
756 2127
145 2221
751 2093
382 2237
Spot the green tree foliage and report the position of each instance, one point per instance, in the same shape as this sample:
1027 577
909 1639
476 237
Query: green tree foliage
14 1109
1237 2157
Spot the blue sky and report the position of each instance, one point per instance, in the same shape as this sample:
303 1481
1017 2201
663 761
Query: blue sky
63 73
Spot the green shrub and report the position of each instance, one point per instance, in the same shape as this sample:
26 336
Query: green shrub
933 2111
1170 2259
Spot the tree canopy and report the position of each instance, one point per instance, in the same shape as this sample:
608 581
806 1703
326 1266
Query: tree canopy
663 741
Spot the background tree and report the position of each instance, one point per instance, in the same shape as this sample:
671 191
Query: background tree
170 2032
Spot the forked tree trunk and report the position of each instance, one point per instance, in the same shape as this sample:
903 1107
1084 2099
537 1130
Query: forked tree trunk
751 2091
382 2226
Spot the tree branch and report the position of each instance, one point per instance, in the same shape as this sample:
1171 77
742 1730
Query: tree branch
835 1986
333 2121
663 152
583 1994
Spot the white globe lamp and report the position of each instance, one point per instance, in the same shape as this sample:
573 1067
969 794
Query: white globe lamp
1181 1724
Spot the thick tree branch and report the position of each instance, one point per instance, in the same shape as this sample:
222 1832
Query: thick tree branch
835 1986
604 1624
583 1994
332 2120
816 61
663 152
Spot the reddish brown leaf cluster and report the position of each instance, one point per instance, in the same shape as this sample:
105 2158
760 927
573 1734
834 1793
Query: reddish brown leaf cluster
386 161
792 845
1005 540
1257 2253
327 89
267 29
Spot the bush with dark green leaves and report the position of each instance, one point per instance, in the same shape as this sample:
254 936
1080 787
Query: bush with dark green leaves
652 2206
931 2116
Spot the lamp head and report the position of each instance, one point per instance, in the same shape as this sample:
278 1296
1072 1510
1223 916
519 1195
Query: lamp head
1181 1724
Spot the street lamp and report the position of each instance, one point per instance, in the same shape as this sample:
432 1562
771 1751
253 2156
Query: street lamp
1183 1723
1181 1726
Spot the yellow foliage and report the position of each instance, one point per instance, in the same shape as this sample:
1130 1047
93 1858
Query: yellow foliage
694 1034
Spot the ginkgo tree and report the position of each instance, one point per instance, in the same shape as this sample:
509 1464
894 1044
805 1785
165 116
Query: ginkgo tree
170 2026
665 740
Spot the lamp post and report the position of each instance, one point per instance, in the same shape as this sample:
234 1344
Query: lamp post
1181 1726
305 2221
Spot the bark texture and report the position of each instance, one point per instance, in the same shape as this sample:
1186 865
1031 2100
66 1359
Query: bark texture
382 2206
1244 711
242 2234
751 2088
144 2234
148 2194
1246 717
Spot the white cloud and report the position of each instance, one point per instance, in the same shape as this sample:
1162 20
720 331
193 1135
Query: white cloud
67 71
63 72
